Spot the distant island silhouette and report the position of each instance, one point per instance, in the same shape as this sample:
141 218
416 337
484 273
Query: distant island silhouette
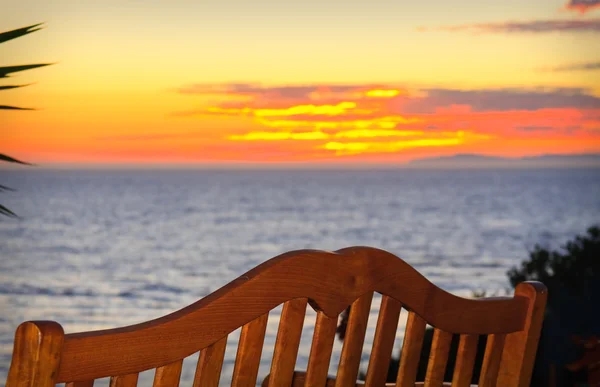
589 160
458 161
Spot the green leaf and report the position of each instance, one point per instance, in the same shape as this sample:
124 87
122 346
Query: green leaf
6 212
5 70
9 159
6 107
5 188
8 35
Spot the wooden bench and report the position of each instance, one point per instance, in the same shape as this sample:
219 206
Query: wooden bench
327 281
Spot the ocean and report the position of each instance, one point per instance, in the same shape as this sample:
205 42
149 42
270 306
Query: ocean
97 249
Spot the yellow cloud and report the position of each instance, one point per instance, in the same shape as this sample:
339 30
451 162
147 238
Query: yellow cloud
319 135
324 110
420 139
382 93
386 147
365 133
382 123
346 128
447 139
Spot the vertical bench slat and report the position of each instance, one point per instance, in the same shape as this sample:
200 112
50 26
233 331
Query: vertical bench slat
124 380
465 361
249 350
411 351
287 342
168 376
491 360
438 358
383 343
347 373
320 351
87 383
520 347
210 362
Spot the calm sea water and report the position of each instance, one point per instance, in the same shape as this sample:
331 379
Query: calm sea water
100 249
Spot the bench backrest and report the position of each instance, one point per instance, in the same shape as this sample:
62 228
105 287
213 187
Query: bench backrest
327 281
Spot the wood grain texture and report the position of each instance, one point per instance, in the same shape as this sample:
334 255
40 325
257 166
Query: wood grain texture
87 383
491 360
124 380
349 365
383 342
168 376
288 341
299 380
320 351
330 280
411 351
36 354
210 363
520 347
250 347
465 361
438 358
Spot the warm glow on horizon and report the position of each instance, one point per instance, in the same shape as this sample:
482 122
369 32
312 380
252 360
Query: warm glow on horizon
218 83
382 93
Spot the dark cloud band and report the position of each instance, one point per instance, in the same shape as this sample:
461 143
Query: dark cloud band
535 27
591 66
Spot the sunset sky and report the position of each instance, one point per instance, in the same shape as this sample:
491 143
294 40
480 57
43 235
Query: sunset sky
328 81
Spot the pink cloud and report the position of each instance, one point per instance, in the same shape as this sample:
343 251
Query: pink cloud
350 119
583 6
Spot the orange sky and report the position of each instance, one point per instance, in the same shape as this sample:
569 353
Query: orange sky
220 82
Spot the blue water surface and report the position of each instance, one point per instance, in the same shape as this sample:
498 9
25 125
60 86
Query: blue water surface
106 248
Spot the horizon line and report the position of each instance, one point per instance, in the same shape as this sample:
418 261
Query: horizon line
303 167
456 161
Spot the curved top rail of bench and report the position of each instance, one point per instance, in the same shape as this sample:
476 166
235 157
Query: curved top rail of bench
330 280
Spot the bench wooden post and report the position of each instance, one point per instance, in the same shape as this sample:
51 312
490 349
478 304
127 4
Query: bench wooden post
36 354
518 356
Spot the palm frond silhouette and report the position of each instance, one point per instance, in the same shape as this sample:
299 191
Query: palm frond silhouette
5 72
